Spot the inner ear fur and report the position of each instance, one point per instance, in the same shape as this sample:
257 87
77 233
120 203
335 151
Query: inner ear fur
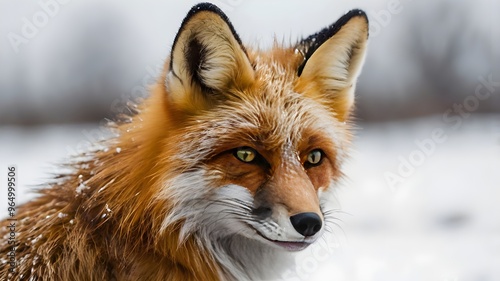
207 60
332 62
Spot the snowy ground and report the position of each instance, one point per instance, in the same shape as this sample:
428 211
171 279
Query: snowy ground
442 223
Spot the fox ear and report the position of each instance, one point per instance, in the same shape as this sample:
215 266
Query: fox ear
207 60
332 62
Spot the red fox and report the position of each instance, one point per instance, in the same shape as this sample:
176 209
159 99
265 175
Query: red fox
227 167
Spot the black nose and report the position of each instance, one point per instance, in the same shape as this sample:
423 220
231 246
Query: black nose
306 224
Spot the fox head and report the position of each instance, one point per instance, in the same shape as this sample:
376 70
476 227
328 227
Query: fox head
254 140
259 136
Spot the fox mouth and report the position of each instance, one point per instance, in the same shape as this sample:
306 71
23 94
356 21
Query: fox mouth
291 246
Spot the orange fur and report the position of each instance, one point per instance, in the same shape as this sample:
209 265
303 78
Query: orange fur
115 228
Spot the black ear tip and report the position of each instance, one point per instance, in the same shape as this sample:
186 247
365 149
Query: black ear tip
205 6
357 13
354 13
311 43
208 7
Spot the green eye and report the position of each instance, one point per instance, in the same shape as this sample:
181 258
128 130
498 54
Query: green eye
245 154
314 157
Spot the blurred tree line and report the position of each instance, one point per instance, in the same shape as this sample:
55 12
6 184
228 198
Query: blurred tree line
429 57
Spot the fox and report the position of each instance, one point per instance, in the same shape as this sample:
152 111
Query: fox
224 171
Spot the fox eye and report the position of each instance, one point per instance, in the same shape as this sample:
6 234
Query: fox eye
314 157
245 154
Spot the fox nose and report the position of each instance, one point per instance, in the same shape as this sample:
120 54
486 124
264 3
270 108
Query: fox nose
306 224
